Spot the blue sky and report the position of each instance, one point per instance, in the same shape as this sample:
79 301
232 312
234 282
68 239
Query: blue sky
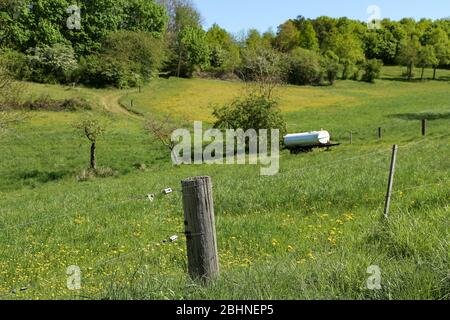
238 15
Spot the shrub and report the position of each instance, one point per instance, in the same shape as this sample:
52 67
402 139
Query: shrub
47 104
304 67
252 112
16 63
103 70
52 64
126 60
372 69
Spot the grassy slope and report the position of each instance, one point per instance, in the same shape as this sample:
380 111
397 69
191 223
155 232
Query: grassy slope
310 232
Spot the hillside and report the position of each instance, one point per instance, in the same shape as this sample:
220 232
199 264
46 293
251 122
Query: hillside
310 232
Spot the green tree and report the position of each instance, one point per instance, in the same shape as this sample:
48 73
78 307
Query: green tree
330 65
308 37
225 53
288 36
427 58
372 70
305 67
409 54
251 112
195 52
349 50
439 40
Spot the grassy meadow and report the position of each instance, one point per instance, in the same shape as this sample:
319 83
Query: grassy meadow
309 232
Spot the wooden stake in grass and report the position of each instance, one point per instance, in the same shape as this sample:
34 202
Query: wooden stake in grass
379 133
203 261
391 181
424 128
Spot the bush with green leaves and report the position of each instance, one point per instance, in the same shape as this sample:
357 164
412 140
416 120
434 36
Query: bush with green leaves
127 59
372 69
305 67
52 64
330 65
251 112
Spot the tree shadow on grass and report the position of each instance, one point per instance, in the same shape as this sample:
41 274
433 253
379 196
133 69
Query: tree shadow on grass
421 116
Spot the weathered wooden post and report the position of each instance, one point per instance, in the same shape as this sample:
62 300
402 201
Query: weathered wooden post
391 181
379 133
424 128
203 261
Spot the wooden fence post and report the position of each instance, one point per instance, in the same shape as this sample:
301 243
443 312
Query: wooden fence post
379 133
203 261
424 128
391 181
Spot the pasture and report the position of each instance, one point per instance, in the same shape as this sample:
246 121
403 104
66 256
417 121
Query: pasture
309 232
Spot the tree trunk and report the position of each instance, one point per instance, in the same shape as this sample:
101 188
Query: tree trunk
93 161
434 73
421 76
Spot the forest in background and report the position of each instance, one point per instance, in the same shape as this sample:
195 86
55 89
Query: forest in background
127 43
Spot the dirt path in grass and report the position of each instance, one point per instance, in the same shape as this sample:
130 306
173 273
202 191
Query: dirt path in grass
110 102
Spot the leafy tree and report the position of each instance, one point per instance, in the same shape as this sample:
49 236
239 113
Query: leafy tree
372 70
194 52
141 50
330 65
305 67
439 40
288 36
349 50
44 22
225 53
308 37
251 112
427 58
409 54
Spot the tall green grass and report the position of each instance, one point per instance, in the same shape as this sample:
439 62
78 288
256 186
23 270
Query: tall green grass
309 232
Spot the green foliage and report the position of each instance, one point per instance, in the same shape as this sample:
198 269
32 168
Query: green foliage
288 36
195 52
305 67
225 55
409 54
45 22
139 49
308 37
252 112
330 65
91 128
372 70
127 59
52 63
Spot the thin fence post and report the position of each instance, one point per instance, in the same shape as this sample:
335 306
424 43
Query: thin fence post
391 181
379 133
424 128
203 261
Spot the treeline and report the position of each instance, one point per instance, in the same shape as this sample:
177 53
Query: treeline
124 43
